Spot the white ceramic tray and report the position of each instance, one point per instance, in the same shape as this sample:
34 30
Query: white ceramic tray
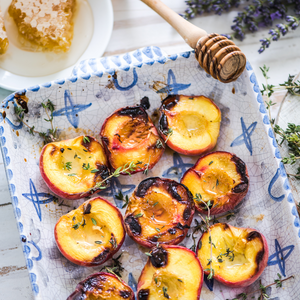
82 103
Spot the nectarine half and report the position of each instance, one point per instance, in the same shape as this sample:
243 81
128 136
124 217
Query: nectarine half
159 210
220 179
71 168
239 255
171 272
102 286
189 124
90 234
130 136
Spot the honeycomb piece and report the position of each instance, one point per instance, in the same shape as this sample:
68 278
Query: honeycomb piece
45 23
3 36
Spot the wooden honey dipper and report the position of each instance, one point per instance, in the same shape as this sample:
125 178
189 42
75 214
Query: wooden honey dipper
216 54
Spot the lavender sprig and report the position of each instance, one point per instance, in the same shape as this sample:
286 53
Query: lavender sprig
260 13
282 29
198 7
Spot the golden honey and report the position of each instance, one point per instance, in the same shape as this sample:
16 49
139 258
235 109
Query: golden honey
45 23
3 36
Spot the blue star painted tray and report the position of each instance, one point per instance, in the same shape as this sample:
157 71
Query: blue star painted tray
98 87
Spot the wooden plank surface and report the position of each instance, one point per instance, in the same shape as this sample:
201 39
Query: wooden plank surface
136 26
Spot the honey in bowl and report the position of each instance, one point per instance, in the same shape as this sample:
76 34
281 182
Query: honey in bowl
47 24
34 53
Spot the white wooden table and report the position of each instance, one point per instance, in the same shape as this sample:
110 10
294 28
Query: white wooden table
136 26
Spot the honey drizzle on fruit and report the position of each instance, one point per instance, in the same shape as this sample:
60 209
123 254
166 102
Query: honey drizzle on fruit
166 285
95 227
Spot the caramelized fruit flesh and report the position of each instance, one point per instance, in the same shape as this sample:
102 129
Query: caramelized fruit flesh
72 167
160 210
179 278
194 121
130 136
132 133
90 234
238 256
100 286
3 36
47 24
220 178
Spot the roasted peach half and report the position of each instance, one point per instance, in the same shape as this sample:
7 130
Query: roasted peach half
71 168
159 210
220 179
102 286
130 136
90 234
189 125
239 255
171 272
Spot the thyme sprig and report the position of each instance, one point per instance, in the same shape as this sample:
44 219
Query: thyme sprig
201 226
77 225
147 166
126 169
268 91
120 196
262 289
229 253
196 229
159 144
51 134
290 135
206 221
168 133
291 85
115 268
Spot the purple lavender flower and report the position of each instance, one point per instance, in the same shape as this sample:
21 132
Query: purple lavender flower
275 34
229 36
282 28
276 15
293 22
265 42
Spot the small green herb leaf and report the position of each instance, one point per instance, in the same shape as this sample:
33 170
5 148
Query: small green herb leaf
67 166
86 139
138 215
86 166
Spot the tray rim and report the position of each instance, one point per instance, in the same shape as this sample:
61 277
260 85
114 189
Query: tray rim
81 72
